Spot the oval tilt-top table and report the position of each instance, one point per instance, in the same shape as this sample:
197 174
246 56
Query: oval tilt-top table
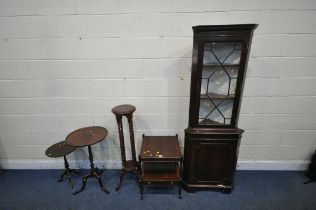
61 149
86 137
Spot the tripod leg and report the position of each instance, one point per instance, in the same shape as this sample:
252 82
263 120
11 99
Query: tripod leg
121 179
69 179
102 187
62 176
84 181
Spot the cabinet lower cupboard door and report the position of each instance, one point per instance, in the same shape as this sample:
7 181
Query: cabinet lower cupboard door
212 162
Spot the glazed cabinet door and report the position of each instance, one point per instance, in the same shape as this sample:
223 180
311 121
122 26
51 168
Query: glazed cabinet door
220 72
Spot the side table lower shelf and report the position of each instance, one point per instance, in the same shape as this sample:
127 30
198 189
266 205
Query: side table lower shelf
160 171
160 174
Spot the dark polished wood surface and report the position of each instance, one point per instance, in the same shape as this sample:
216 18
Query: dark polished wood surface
160 162
233 27
62 149
124 109
214 131
210 159
160 147
211 149
86 136
160 171
59 149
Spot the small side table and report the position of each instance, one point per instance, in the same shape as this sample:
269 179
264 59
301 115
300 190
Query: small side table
127 165
58 150
160 161
86 137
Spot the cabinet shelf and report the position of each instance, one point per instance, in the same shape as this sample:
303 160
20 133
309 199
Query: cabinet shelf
160 171
217 96
216 64
209 122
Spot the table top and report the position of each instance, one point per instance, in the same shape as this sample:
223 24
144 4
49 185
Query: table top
59 149
124 109
160 147
86 136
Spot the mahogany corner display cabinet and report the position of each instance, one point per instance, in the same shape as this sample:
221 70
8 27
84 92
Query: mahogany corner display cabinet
219 62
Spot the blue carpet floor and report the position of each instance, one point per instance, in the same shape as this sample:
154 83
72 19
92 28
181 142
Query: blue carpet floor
38 189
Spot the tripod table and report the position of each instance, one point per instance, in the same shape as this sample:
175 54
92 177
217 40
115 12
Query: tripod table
86 137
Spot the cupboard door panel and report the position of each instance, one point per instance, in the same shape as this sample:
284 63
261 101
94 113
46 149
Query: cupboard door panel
212 161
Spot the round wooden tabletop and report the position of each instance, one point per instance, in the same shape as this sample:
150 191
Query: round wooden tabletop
124 109
59 149
86 136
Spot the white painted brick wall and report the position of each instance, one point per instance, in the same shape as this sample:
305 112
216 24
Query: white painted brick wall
65 64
